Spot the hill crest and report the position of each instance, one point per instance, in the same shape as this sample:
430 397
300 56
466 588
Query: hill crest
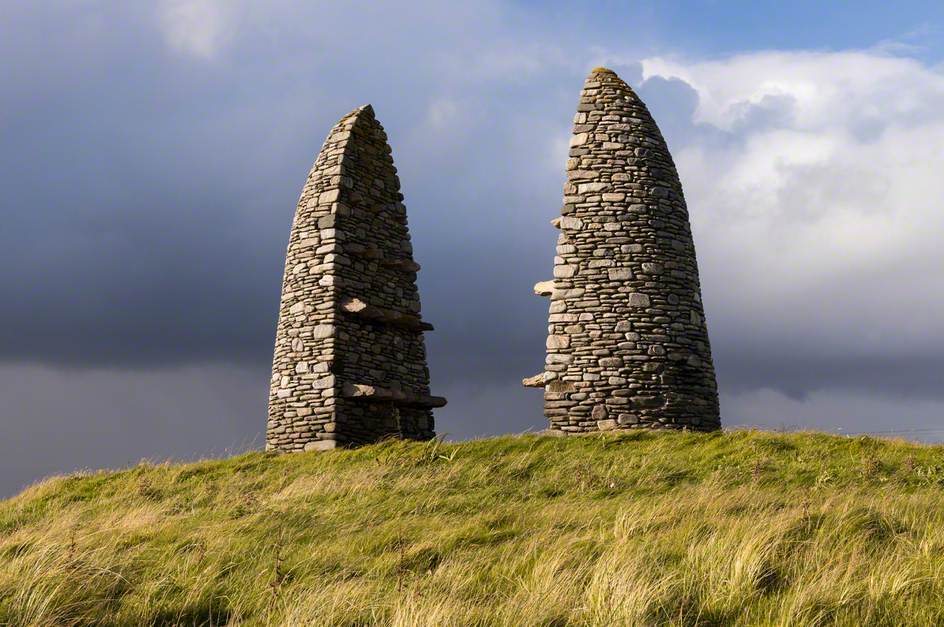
742 527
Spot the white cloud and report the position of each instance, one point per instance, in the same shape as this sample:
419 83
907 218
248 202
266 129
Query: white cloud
195 27
814 183
820 84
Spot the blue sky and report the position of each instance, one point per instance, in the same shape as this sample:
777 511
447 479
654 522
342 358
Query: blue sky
151 155
721 28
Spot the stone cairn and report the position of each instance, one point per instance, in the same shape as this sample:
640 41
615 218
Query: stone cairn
627 343
350 363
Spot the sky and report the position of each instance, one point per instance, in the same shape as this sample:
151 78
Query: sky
151 155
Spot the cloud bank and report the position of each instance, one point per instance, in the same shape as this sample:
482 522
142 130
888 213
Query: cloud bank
813 179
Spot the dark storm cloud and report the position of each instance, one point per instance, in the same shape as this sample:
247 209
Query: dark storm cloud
149 196
132 224
57 421
903 377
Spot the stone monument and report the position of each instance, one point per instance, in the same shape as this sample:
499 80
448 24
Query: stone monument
350 362
627 343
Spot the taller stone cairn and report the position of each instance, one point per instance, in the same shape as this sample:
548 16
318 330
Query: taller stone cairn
350 363
627 343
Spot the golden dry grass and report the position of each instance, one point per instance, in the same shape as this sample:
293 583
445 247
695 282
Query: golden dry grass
742 528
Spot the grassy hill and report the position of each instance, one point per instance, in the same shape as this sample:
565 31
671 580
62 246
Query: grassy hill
629 529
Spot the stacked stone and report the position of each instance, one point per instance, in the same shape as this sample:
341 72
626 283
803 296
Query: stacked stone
350 362
627 343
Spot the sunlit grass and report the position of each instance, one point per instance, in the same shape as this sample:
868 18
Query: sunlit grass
638 528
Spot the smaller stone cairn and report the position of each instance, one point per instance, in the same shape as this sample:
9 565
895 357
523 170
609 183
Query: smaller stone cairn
350 363
627 343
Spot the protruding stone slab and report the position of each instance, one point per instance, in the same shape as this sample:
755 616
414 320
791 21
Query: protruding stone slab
627 343
537 381
376 393
544 288
358 306
350 308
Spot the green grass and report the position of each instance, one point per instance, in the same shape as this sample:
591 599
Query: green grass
743 528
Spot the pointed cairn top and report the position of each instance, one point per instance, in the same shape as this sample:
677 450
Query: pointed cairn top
605 76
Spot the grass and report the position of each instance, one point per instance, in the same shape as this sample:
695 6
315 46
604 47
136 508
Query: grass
639 528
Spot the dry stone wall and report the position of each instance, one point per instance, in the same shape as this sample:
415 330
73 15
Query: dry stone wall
350 362
627 342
